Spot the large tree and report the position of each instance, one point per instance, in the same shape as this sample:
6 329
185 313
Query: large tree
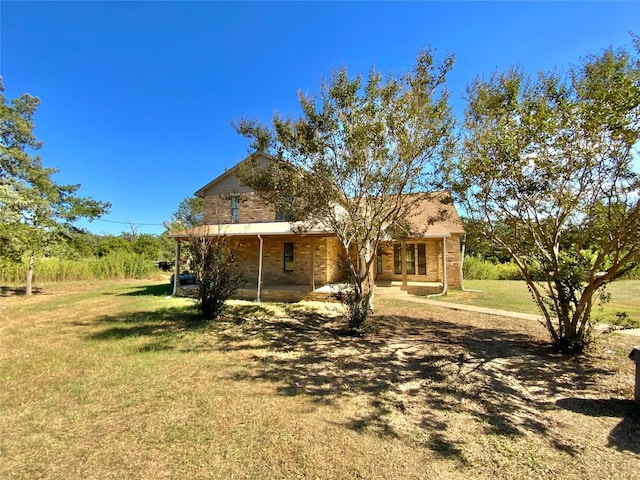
348 162
35 209
547 172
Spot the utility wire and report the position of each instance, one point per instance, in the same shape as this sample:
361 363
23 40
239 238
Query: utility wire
127 223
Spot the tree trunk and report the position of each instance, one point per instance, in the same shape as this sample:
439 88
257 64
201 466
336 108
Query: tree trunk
29 279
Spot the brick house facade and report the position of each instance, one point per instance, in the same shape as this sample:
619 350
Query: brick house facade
275 258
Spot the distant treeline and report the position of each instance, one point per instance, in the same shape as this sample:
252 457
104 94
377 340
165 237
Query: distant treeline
85 256
476 267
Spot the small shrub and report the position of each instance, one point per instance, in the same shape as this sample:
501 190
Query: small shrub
358 310
212 262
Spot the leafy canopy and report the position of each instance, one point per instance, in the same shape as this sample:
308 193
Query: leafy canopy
546 171
35 209
357 149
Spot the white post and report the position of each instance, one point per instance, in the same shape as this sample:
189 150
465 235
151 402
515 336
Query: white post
444 265
260 268
312 280
176 269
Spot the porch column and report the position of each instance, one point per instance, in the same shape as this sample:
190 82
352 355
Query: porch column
312 279
176 269
403 257
260 268
444 265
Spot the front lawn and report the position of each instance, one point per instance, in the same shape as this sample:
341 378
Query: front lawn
112 380
513 295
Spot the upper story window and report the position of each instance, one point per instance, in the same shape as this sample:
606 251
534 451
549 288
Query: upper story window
283 216
235 210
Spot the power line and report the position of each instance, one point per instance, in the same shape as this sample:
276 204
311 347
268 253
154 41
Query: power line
128 223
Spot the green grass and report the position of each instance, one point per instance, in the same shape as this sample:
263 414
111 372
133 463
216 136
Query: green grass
114 380
513 295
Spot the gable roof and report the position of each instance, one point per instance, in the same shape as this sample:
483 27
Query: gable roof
230 173
435 215
438 207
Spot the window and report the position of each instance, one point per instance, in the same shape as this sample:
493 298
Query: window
288 257
285 216
410 258
235 210
422 259
379 261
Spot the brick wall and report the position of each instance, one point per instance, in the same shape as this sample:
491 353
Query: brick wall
217 208
454 279
433 250
334 251
324 260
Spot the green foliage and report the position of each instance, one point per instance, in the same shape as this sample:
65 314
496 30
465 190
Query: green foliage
476 244
110 244
212 261
53 269
358 149
122 265
358 310
148 246
190 214
477 268
546 173
35 209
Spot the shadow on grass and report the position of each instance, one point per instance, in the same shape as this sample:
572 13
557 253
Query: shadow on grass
413 375
18 291
419 368
161 290
160 328
625 435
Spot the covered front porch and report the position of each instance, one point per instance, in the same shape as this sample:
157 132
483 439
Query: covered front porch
285 266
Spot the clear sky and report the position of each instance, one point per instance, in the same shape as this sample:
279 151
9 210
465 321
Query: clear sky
137 97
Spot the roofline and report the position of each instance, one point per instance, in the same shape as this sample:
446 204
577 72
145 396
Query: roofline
200 191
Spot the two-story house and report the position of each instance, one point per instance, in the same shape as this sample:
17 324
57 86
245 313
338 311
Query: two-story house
281 264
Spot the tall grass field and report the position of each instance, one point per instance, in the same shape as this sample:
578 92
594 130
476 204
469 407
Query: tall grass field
52 269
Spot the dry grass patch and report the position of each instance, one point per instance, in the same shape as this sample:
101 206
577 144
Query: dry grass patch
113 380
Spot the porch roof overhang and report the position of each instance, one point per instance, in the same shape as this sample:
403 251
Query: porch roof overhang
247 229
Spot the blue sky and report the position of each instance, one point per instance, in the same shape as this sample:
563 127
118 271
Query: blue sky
137 97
